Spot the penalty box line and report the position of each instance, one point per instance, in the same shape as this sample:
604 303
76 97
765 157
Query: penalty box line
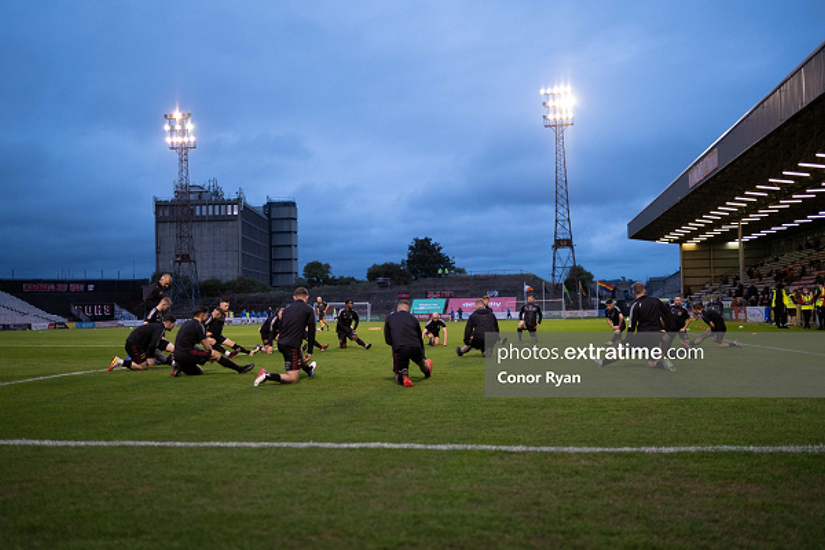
770 449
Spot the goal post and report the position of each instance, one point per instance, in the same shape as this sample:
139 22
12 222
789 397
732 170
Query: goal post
363 309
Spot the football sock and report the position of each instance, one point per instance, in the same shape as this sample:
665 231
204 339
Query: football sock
127 362
224 362
360 342
274 377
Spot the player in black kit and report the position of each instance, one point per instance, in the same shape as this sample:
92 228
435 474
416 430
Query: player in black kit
529 318
480 322
346 329
193 348
214 329
649 318
156 315
297 322
142 345
270 329
321 307
716 327
432 330
681 318
403 333
615 319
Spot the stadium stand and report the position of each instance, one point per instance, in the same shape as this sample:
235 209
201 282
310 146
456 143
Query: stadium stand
15 311
797 269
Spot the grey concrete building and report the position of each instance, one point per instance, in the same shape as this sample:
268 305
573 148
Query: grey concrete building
232 238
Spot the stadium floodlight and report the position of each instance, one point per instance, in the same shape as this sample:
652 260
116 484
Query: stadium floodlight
709 217
780 205
775 180
768 187
720 213
739 204
800 174
728 208
811 165
791 224
790 201
816 190
803 221
804 196
759 215
748 199
756 193
750 219
179 128
703 222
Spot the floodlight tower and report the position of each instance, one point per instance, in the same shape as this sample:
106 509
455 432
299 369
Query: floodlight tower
185 290
559 115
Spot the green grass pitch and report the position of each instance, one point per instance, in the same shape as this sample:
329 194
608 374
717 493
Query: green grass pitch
144 497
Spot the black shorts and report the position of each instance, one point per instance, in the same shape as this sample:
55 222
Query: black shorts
219 338
189 362
292 357
402 356
346 332
163 344
137 354
647 340
477 342
530 328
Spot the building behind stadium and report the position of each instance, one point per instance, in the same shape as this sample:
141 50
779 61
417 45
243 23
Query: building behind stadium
232 238
753 203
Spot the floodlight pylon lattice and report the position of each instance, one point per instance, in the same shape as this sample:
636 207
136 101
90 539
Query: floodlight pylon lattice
559 103
185 289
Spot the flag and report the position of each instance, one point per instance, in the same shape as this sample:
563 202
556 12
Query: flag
605 286
527 288
565 292
581 288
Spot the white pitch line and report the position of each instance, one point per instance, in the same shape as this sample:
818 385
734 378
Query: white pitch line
52 376
788 449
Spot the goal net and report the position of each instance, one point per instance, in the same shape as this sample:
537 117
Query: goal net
363 309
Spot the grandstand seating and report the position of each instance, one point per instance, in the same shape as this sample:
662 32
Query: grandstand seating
15 311
792 261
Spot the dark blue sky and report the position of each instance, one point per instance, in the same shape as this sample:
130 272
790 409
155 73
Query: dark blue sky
385 120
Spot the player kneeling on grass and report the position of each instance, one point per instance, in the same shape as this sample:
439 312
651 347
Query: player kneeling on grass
142 344
716 327
298 320
482 321
270 329
433 328
346 329
403 333
193 348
